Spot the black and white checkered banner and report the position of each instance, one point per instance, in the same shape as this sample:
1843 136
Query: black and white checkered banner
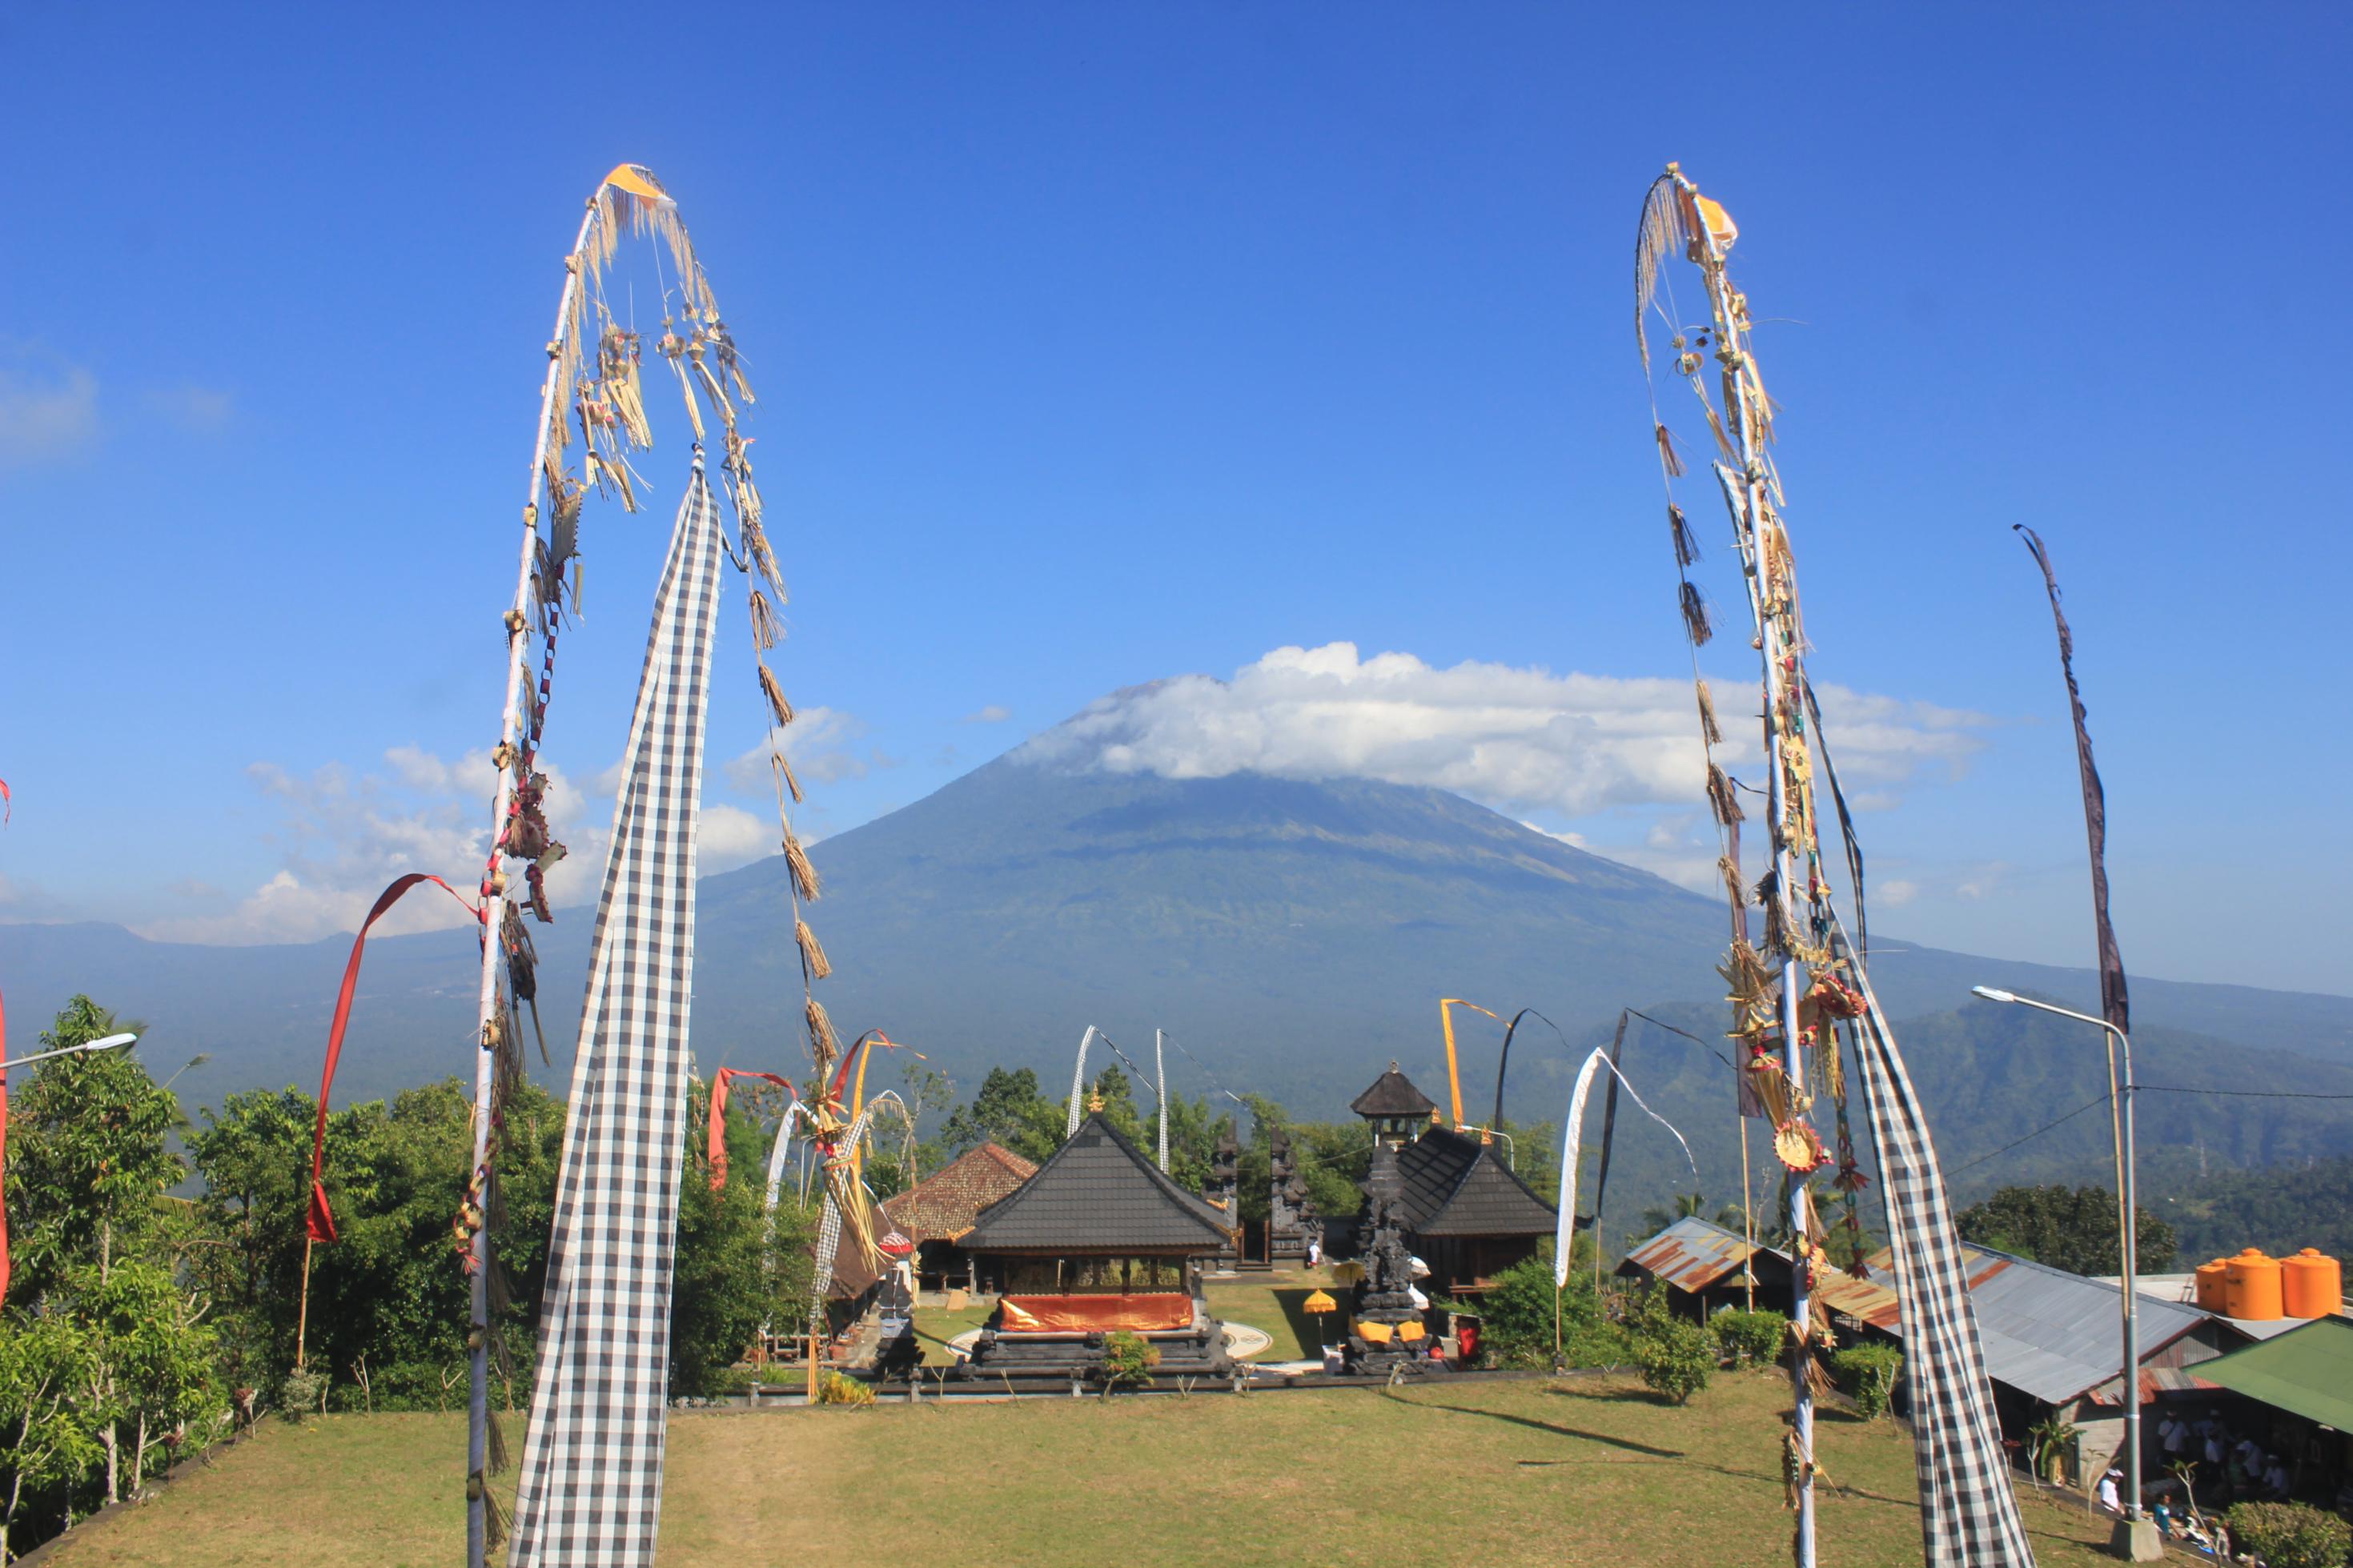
590 1488
1969 1514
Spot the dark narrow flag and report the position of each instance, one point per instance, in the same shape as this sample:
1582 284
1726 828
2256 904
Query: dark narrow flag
2115 1005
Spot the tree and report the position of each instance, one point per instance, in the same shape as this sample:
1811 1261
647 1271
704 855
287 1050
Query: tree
1676 1356
2074 1230
735 1270
1009 1110
43 1448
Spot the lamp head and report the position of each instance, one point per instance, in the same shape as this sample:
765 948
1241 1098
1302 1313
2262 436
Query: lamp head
1990 995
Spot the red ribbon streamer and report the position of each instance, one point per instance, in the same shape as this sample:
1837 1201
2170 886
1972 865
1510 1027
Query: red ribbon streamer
321 1221
717 1129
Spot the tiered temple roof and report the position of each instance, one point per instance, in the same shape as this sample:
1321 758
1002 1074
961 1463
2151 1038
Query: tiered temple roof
1454 1186
1099 1194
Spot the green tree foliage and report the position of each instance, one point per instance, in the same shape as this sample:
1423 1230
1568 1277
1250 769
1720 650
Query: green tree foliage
109 1363
2073 1228
1516 1316
1676 1355
1867 1373
2290 1534
734 1271
388 1306
1007 1109
1751 1338
2279 1209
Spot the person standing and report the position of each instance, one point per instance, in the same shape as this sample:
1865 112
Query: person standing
2108 1496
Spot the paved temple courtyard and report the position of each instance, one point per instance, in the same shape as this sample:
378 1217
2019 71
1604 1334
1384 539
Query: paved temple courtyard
1487 1472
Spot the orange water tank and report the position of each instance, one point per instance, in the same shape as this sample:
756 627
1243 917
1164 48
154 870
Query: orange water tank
2251 1286
2211 1296
2313 1285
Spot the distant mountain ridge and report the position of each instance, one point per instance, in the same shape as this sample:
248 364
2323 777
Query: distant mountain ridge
1293 936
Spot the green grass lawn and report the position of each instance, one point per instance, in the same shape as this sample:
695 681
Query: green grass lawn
935 1326
1499 1474
1273 1303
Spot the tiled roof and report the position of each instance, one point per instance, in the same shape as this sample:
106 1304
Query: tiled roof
1098 1194
1393 1094
943 1206
1454 1186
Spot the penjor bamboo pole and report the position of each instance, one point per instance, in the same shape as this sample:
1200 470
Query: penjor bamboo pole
1770 645
478 1335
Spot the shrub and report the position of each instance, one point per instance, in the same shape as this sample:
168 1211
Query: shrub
1128 1359
1676 1357
1754 1338
1515 1320
1868 1374
302 1394
834 1388
2290 1534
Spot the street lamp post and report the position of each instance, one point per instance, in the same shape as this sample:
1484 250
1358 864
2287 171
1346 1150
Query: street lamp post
107 1043
2130 1537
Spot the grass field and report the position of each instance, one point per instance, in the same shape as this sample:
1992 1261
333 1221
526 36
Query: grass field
1499 1474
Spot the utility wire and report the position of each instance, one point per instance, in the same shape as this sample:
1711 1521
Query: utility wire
1198 1062
2236 1093
1686 1034
2096 1101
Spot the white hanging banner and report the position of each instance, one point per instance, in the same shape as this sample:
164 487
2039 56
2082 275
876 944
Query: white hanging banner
1565 1228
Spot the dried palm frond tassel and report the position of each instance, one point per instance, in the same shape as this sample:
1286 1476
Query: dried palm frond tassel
783 767
755 538
1723 797
1687 547
1670 459
1696 615
1708 728
1660 230
1729 869
765 632
775 696
822 1039
804 870
813 957
494 1518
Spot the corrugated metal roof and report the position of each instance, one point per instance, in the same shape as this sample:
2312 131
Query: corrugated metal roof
2050 1333
1690 1254
2308 1371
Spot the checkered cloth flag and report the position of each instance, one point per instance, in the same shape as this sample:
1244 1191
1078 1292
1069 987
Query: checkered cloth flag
589 1493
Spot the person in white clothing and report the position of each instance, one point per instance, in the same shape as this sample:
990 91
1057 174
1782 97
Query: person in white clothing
2108 1496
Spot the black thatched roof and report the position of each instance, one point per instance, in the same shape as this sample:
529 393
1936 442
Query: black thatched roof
1454 1186
1099 1194
1393 1094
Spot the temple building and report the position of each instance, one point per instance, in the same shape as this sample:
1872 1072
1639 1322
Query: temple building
1098 1240
938 1212
1462 1210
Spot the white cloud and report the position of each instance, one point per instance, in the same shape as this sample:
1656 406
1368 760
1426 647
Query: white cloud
818 744
46 416
342 835
1524 739
994 713
193 409
1894 894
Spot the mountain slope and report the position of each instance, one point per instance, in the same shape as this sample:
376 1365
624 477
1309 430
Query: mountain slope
1293 936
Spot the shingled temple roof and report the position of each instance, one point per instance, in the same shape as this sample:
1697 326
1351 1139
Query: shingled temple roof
1393 1094
1454 1186
944 1205
1099 1194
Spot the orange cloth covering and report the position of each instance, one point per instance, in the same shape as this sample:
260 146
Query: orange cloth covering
1084 1314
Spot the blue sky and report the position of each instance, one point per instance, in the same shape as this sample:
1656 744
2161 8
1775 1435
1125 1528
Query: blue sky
1097 346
